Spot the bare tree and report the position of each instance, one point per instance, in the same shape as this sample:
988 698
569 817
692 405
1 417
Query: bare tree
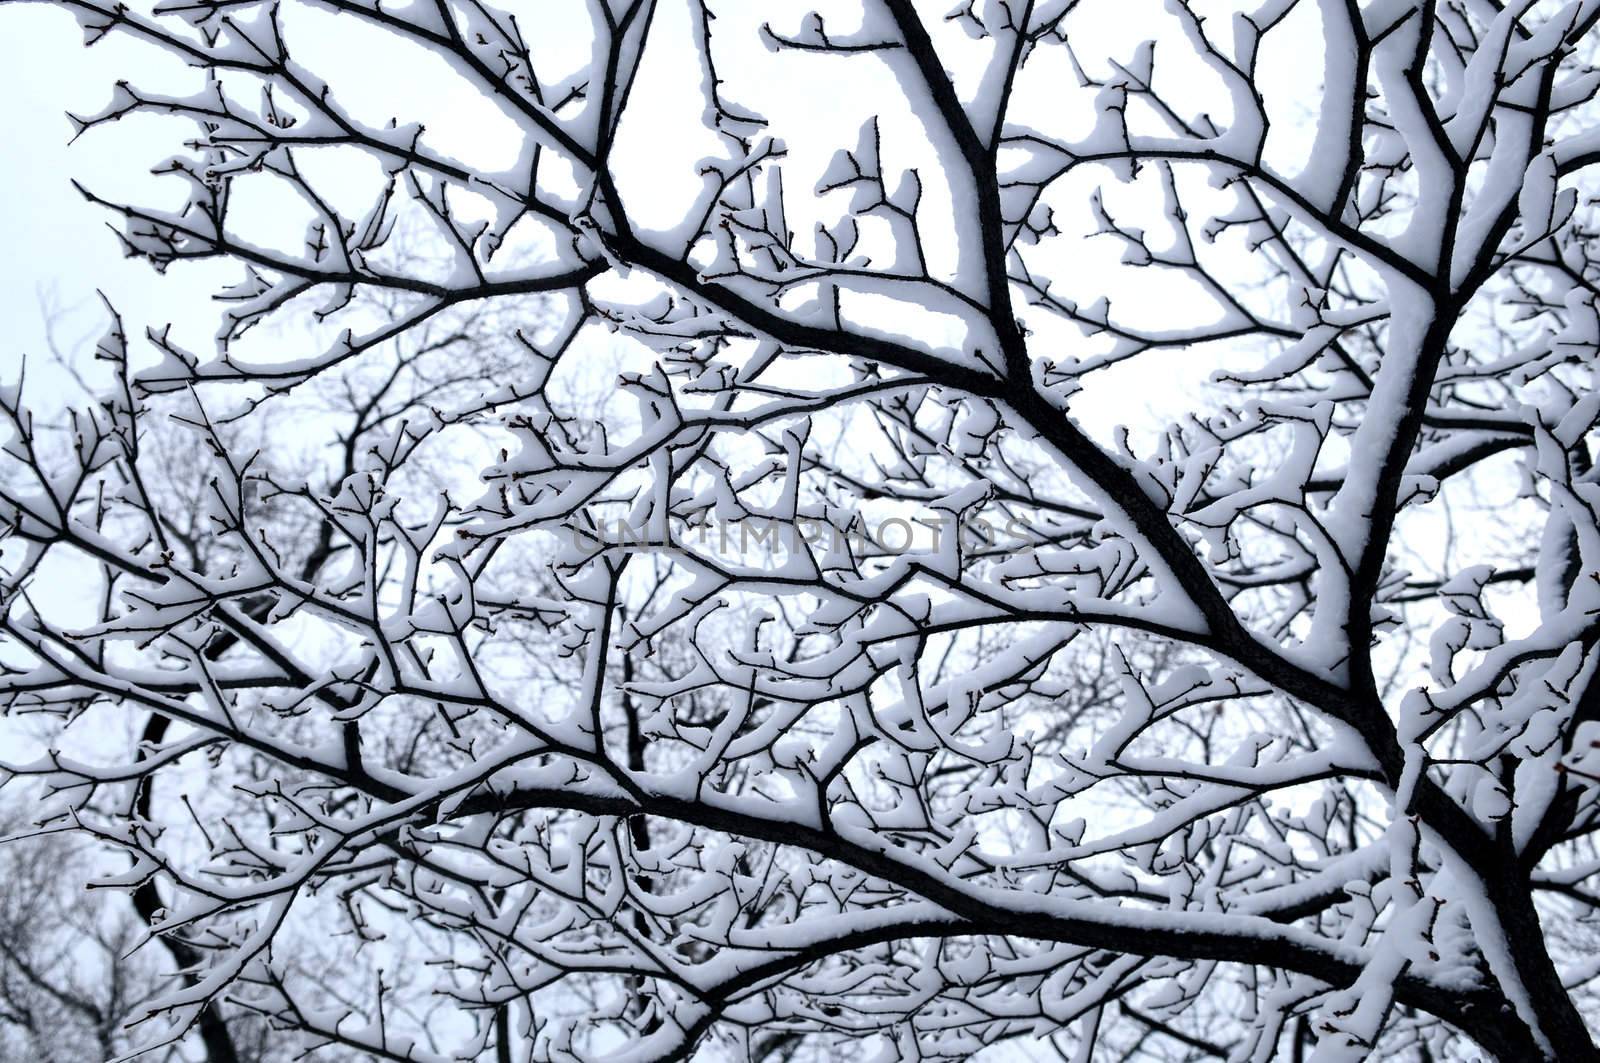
802 671
66 978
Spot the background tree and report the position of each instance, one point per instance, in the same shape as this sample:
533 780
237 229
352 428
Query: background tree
66 981
1268 731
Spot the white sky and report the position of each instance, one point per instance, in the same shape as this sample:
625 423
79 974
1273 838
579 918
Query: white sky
58 248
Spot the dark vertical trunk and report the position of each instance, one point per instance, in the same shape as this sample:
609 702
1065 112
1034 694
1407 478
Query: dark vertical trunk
214 1035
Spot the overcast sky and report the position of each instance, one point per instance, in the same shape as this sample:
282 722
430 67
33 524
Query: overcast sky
57 247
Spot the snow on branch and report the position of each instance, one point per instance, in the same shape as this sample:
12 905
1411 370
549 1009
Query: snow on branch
669 564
